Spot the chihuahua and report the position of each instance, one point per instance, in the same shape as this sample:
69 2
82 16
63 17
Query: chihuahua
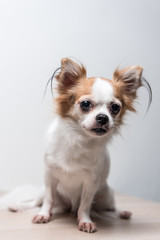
88 113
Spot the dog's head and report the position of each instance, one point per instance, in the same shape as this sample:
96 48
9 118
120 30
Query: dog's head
97 104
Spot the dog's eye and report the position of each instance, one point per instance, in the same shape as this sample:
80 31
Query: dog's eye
85 105
115 108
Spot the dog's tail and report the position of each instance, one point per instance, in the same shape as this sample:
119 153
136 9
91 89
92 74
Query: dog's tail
22 198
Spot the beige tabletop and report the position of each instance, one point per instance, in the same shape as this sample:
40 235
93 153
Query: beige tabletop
145 224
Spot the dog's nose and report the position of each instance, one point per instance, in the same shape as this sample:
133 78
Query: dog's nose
102 119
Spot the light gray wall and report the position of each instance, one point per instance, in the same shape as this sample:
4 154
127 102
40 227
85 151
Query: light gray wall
35 35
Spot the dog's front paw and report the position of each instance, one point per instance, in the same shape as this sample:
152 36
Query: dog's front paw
41 219
88 227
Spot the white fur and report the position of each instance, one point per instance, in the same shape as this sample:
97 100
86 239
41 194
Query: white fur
24 197
76 164
102 91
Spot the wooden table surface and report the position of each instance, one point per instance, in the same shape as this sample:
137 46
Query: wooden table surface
145 224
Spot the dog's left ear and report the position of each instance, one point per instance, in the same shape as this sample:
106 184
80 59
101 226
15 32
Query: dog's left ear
126 83
129 79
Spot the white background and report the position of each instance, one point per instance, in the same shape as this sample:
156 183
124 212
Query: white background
34 36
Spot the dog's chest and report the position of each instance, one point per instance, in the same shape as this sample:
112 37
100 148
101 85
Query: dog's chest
72 152
70 185
74 161
73 157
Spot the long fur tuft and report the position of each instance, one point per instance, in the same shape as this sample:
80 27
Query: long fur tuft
146 84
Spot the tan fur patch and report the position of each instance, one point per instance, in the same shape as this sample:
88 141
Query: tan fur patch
69 85
125 86
122 91
66 101
70 73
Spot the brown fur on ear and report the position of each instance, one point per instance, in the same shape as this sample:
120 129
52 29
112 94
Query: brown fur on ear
68 80
126 82
70 73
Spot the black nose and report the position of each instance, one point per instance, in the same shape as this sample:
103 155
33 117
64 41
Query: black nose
102 119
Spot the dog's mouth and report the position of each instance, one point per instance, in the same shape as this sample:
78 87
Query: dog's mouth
99 131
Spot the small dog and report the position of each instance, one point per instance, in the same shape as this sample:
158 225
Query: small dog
89 111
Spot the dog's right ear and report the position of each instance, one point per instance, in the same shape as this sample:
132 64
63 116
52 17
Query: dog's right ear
70 73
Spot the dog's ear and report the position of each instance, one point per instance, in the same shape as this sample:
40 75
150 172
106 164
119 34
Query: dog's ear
70 73
126 82
129 79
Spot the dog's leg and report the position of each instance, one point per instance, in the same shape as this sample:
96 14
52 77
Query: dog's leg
104 202
125 215
104 199
45 213
85 223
